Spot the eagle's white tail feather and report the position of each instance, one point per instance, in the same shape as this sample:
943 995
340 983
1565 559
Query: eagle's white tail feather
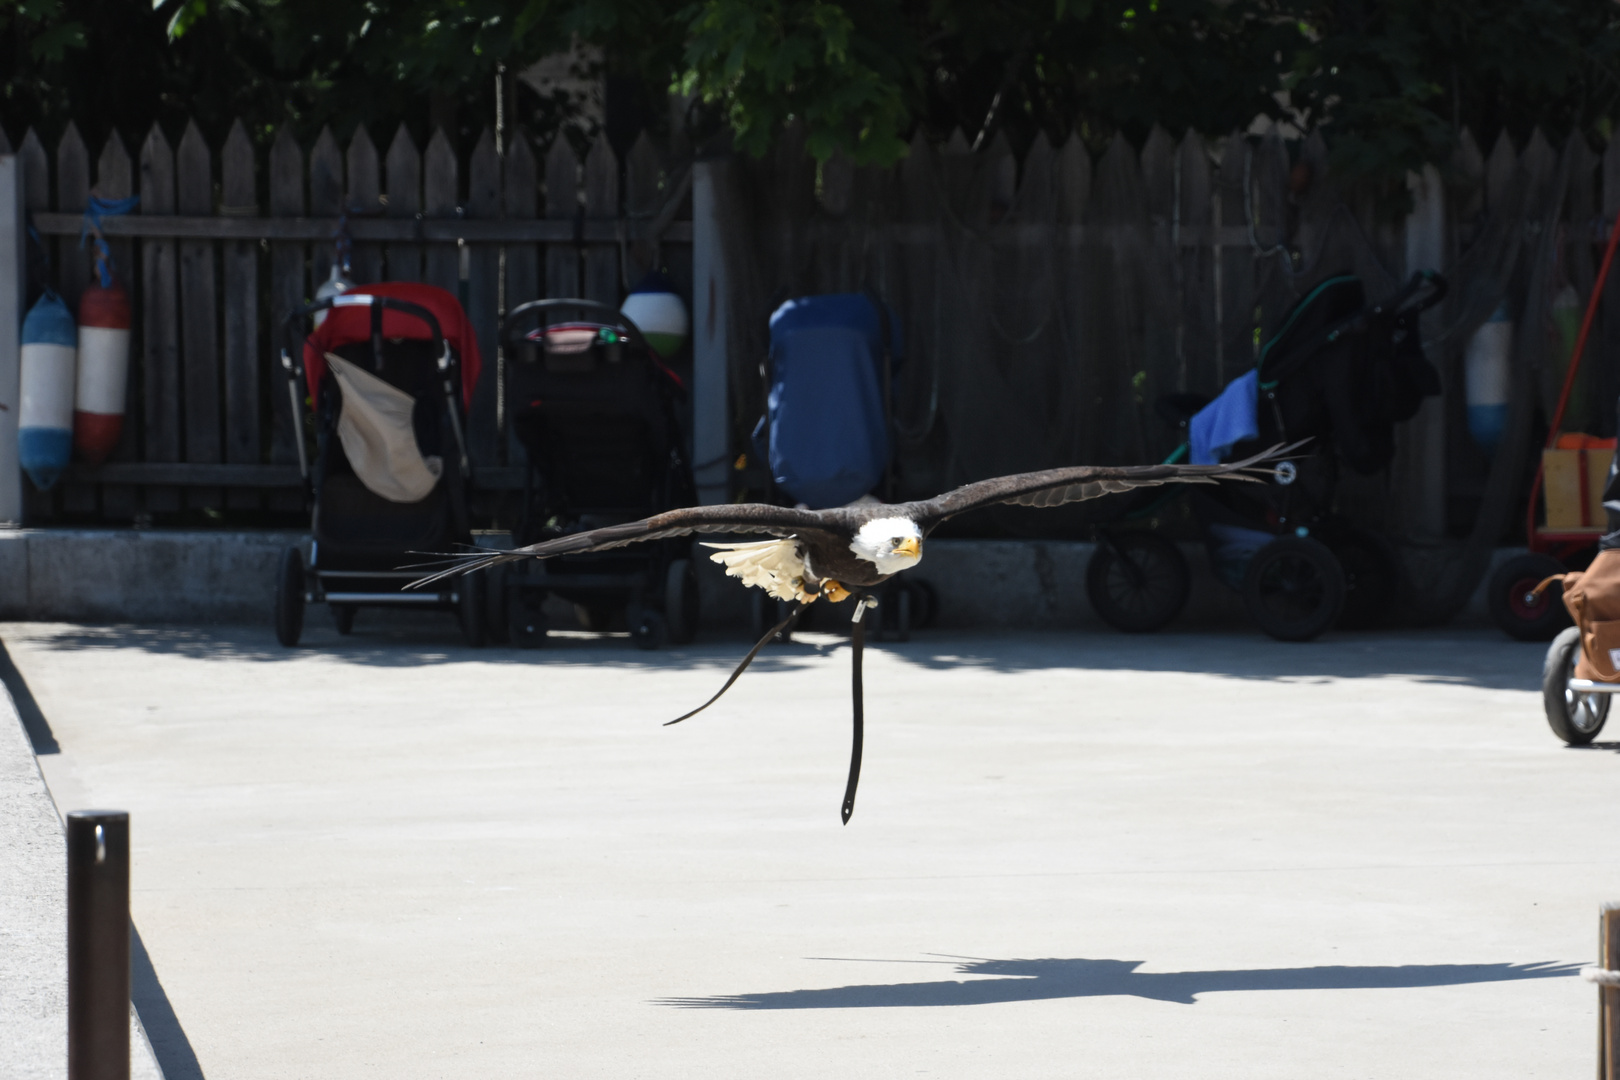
772 565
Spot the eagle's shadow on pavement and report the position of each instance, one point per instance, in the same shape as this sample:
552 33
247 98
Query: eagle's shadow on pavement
1052 978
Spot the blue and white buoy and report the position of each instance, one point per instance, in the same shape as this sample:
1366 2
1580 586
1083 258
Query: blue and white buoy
50 343
658 312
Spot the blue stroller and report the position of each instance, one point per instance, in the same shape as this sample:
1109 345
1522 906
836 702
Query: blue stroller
828 430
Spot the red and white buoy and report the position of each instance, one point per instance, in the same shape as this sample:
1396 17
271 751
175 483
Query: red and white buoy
98 403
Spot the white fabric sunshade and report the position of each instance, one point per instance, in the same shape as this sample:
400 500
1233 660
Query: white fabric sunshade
377 434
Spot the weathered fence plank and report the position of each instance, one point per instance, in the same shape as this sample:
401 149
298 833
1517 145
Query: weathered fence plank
239 196
602 204
1236 280
160 360
198 313
562 204
1161 363
365 199
72 196
287 289
440 179
1117 203
520 201
36 173
1195 269
642 201
325 198
483 299
404 202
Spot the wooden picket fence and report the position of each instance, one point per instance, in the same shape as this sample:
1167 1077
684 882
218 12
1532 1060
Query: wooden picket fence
1046 299
1049 298
223 246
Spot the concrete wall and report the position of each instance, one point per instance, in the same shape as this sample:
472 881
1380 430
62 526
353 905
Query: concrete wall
155 575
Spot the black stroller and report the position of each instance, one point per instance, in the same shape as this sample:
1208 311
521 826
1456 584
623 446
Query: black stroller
389 477
1340 373
595 411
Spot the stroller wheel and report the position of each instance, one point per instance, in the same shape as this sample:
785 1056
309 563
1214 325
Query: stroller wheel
681 601
525 621
290 597
1574 717
1371 581
1294 588
646 627
470 608
343 616
1137 582
1527 620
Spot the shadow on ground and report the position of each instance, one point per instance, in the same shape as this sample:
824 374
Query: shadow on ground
1051 978
1469 656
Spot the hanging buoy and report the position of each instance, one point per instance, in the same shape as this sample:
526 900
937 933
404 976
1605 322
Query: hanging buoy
658 312
98 404
45 413
336 285
1485 375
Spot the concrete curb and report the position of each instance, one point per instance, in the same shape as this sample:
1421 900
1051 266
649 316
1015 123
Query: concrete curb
197 576
33 921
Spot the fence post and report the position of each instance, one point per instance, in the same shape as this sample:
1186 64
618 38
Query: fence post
711 425
1420 469
13 282
98 944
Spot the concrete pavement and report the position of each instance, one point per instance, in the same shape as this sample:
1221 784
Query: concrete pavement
1073 855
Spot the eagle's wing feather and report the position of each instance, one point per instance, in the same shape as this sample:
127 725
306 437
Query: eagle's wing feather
1054 487
724 518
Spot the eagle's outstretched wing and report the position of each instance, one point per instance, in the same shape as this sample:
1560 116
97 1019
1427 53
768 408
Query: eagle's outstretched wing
724 518
1054 487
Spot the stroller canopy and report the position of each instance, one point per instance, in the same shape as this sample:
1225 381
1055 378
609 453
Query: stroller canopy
352 326
829 440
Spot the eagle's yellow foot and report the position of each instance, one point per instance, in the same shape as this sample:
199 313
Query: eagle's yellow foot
834 592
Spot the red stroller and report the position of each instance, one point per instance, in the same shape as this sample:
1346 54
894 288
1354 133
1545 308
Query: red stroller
389 372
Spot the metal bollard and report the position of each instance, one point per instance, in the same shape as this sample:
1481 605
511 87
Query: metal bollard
98 944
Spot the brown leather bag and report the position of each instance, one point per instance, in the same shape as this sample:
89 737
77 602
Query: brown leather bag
1593 599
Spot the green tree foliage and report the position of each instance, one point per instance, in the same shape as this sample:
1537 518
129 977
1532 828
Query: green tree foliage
1390 81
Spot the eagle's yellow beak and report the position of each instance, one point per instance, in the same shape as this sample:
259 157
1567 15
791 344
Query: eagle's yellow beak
910 547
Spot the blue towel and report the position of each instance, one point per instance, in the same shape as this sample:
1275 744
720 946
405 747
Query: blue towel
1226 421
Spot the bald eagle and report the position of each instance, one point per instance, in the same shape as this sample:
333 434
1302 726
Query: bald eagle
850 550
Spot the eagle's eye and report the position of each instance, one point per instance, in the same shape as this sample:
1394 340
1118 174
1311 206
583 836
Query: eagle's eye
895 542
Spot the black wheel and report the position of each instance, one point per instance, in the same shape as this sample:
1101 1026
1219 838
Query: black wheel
525 622
1371 581
343 616
290 597
764 612
1574 717
1293 588
470 589
1137 582
681 602
1508 598
646 627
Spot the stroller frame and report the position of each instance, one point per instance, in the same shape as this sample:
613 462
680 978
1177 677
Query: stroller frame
298 584
659 596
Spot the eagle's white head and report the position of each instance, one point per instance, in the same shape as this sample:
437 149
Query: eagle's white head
894 544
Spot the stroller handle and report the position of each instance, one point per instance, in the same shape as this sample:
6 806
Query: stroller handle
619 319
378 304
